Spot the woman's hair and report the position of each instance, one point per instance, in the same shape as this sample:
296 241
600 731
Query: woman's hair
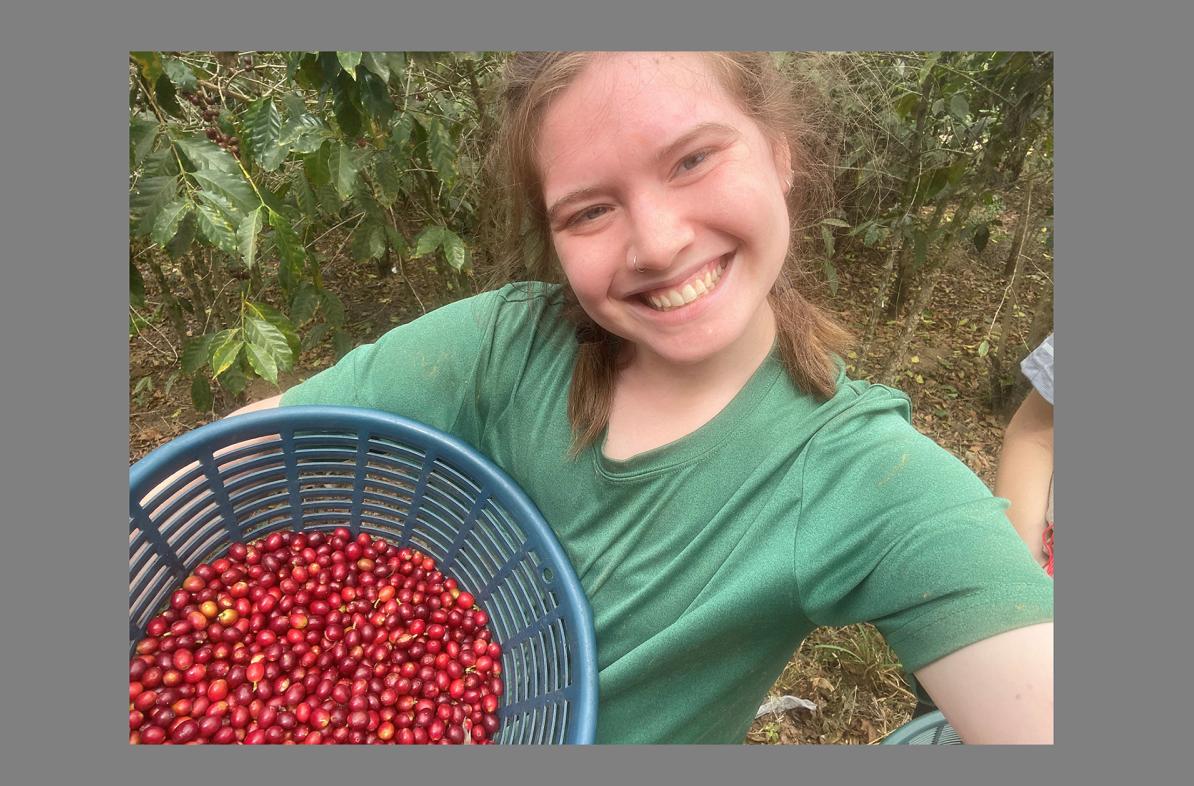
808 338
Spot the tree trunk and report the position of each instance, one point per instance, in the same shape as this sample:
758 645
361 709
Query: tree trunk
1022 225
880 302
192 279
173 309
895 360
1001 364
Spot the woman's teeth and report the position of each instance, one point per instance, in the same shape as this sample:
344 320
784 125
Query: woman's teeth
691 290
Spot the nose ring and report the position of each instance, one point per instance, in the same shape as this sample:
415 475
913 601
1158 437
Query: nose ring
635 265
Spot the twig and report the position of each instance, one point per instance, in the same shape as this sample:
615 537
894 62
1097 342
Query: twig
402 271
345 240
358 217
142 336
1011 282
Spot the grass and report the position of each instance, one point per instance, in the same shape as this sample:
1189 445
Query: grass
855 680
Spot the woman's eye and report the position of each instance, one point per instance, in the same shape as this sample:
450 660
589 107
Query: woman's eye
691 162
588 214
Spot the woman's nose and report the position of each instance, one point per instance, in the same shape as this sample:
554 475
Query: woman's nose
662 230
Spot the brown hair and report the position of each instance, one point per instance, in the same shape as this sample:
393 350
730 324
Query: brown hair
807 336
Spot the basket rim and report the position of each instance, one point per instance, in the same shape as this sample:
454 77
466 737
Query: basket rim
162 462
927 722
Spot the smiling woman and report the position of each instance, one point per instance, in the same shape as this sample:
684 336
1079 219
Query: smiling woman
679 412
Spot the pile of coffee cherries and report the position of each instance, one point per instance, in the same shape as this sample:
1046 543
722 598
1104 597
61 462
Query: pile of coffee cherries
316 638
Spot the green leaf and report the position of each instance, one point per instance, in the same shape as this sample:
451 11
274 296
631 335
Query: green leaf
455 250
368 242
166 224
984 348
304 303
401 129
246 236
959 106
267 348
345 103
376 62
385 176
835 222
180 74
280 321
201 394
441 153
224 205
343 166
167 97
304 197
316 165
927 66
349 62
290 248
827 237
307 72
225 352
182 240
907 104
397 241
215 228
830 274
143 384
263 125
196 352
136 285
294 104
956 170
396 61
872 235
376 98
234 380
302 133
333 309
151 196
142 133
341 343
313 336
150 65
428 240
205 154
232 186
160 163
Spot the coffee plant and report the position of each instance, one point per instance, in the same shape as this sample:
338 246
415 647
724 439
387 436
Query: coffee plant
240 162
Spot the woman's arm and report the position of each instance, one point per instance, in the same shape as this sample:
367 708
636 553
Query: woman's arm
998 690
1026 470
265 403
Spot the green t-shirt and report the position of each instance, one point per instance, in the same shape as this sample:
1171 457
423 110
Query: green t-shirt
706 561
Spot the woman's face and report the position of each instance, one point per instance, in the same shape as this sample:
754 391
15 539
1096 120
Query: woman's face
645 158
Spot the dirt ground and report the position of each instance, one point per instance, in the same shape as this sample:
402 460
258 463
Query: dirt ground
849 674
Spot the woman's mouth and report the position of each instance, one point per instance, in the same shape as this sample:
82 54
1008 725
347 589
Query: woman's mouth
690 290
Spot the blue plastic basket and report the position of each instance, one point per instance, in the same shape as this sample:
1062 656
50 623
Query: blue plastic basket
929 729
317 468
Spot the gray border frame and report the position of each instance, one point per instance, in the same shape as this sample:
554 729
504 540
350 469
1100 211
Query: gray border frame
1123 113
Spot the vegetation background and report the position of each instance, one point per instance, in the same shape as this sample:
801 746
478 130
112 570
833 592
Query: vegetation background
287 206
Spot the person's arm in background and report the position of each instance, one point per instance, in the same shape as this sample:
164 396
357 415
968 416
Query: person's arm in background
1026 470
265 403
